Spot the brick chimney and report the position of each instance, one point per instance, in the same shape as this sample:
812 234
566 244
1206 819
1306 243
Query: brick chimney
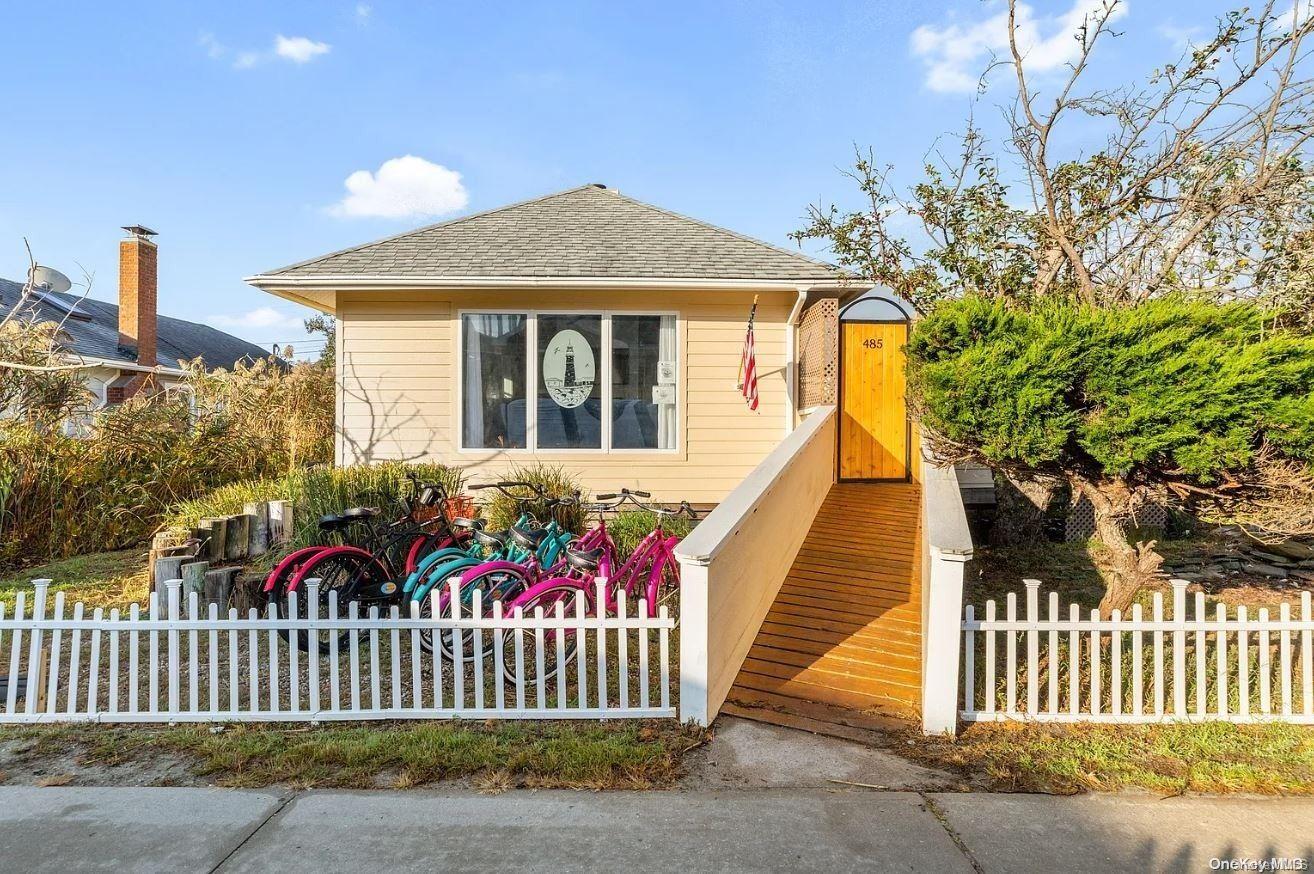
137 295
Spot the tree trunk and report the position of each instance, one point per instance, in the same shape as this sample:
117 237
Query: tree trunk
1020 505
1130 566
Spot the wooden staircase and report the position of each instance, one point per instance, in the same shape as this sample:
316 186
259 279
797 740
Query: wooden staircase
845 628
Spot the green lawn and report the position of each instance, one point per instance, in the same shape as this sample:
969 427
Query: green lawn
496 755
101 579
1212 757
1202 757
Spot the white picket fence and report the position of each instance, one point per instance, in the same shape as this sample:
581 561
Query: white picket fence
131 667
1241 668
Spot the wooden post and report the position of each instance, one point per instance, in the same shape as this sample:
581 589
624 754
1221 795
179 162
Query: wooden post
235 541
193 577
201 534
158 542
168 568
257 537
42 677
218 529
280 522
246 591
218 586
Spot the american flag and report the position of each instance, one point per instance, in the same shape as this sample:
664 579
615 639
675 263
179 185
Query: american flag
748 363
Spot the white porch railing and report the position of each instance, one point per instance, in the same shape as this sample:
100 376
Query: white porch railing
734 562
1237 668
166 667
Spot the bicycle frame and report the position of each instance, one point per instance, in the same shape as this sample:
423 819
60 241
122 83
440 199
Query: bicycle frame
378 555
655 551
290 564
451 553
511 557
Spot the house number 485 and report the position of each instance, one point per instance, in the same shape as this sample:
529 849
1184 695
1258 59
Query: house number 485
873 343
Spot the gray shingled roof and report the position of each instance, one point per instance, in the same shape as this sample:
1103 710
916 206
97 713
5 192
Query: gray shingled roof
588 231
96 335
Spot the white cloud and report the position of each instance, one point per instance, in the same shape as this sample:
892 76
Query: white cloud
1181 38
212 46
364 11
260 317
294 49
405 187
955 54
299 49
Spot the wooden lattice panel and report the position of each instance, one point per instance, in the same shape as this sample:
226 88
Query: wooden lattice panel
818 355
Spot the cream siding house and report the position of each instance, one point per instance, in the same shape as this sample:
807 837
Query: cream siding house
584 328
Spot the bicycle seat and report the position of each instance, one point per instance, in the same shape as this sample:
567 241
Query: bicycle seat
584 559
490 538
528 539
472 524
355 514
331 522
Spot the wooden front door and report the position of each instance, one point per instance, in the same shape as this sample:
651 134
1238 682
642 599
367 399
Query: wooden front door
874 429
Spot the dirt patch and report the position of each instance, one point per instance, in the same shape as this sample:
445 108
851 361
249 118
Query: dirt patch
30 761
569 755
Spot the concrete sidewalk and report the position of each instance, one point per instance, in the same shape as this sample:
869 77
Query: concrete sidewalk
167 829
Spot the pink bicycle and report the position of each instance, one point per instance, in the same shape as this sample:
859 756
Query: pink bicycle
650 572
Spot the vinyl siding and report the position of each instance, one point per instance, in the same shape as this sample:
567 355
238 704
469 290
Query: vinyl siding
398 398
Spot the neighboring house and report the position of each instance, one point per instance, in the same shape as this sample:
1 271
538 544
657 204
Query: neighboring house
585 329
129 347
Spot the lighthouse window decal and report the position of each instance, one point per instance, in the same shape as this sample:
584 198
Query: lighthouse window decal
569 368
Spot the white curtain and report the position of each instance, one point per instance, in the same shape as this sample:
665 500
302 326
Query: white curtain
666 415
478 329
472 395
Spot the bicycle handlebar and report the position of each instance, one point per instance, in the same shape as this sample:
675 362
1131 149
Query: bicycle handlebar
504 485
628 496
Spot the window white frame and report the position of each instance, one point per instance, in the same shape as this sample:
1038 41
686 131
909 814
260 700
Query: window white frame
604 366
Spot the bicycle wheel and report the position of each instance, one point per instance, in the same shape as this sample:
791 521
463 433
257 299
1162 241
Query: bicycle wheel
547 597
500 584
663 587
343 573
436 580
277 580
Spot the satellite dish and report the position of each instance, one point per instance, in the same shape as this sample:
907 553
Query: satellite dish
50 279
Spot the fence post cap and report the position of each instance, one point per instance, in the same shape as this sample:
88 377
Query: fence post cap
41 582
1179 584
173 584
1031 584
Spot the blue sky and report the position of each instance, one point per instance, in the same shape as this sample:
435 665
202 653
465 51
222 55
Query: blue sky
232 128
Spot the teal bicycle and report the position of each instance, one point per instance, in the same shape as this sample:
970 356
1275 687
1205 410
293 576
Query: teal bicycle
524 544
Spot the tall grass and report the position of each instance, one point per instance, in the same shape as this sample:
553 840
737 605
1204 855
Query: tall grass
502 511
110 487
316 492
631 526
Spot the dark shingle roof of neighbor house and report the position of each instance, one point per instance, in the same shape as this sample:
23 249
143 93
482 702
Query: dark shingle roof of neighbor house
96 333
583 232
